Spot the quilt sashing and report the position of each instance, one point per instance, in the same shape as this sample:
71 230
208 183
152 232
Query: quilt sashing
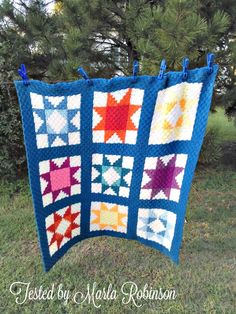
114 158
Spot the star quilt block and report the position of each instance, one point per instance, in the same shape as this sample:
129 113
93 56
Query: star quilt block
108 216
163 176
59 178
175 113
116 115
111 174
62 226
157 225
56 120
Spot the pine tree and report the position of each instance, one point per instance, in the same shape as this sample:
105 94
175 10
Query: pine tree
105 36
226 53
29 35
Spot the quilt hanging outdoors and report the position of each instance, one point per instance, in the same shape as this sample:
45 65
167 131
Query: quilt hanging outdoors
114 156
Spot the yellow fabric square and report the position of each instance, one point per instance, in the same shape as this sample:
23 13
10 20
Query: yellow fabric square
175 113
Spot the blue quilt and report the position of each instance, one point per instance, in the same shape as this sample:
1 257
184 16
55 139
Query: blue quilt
114 157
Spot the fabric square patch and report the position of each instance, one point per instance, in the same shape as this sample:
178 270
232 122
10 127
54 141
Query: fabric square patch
59 178
108 216
56 120
156 225
111 174
62 226
116 116
175 113
163 176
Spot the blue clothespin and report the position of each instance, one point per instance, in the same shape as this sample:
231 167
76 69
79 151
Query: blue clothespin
185 65
162 69
85 76
22 72
210 62
135 70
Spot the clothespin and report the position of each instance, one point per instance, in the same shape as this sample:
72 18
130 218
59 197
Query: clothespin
185 65
85 76
210 62
162 69
135 70
22 72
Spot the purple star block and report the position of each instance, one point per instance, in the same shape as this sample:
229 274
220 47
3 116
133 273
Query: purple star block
162 178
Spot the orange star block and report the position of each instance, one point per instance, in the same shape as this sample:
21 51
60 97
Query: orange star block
65 223
116 116
108 217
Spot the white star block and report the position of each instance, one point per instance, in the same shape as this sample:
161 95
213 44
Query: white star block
124 191
75 208
44 166
143 212
76 120
97 159
145 194
98 136
75 189
75 232
96 188
73 102
174 195
36 101
42 140
94 227
137 96
119 94
123 209
53 248
55 100
38 122
75 161
100 99
49 221
130 137
150 163
62 211
74 138
47 199
127 162
181 160
166 239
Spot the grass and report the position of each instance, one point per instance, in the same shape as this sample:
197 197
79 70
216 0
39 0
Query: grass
225 127
204 280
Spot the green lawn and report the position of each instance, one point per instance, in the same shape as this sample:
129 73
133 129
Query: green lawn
225 127
204 280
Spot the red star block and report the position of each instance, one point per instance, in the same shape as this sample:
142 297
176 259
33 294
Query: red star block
116 116
62 226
